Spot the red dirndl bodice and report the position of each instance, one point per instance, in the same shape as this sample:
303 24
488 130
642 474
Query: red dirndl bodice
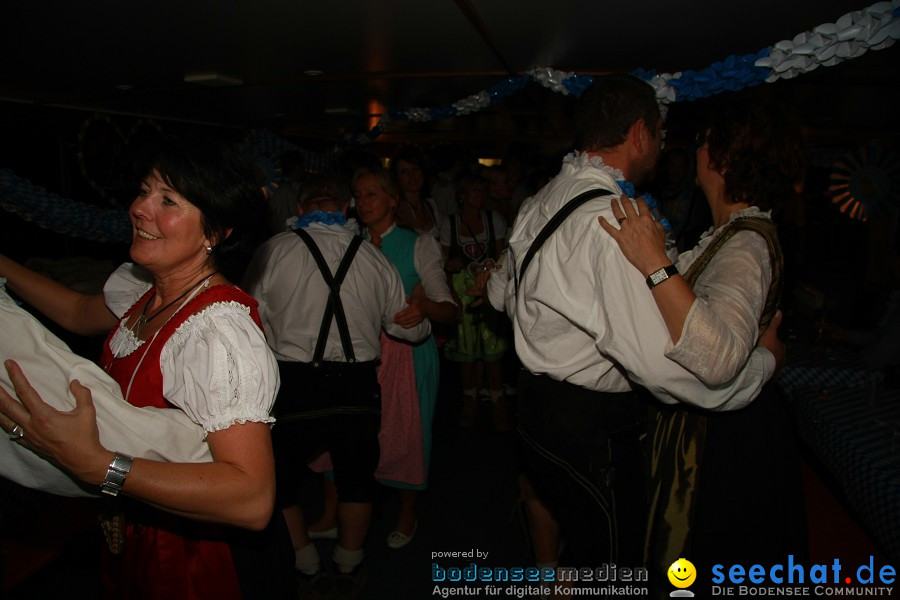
167 557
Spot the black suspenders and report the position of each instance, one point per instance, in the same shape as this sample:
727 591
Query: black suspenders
334 309
553 224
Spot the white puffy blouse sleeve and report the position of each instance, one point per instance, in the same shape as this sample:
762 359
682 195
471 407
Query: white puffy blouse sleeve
429 265
125 286
219 370
722 326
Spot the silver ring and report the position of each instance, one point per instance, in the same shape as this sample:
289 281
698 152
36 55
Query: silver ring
620 219
16 433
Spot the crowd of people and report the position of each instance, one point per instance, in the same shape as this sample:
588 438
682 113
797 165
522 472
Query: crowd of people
645 415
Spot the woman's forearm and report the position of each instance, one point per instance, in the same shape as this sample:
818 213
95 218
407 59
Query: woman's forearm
74 311
439 312
237 488
674 298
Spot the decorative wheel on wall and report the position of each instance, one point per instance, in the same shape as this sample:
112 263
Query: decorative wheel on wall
866 182
268 174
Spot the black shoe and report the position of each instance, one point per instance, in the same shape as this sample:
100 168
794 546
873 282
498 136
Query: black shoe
312 587
348 586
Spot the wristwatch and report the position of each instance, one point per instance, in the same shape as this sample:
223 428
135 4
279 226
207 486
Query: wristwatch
115 474
657 277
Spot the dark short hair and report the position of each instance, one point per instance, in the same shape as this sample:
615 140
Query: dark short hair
408 154
608 109
413 156
756 145
326 185
219 181
466 182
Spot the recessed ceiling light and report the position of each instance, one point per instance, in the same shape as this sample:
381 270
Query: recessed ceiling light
212 79
313 72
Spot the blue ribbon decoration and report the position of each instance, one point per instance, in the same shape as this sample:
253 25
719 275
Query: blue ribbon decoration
628 189
320 216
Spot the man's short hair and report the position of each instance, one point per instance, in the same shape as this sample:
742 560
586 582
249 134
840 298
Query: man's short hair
608 109
324 187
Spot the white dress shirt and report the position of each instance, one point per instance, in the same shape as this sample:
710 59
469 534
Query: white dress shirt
584 314
284 279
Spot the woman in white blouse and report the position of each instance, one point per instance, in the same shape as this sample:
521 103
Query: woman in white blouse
724 485
186 340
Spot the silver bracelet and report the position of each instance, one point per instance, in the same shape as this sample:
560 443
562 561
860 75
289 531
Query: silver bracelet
115 474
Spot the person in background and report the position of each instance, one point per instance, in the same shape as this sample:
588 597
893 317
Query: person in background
520 171
680 199
472 241
414 210
325 295
450 161
409 373
283 202
499 192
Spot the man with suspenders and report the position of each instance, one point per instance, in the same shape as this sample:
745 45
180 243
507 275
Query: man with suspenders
586 326
324 296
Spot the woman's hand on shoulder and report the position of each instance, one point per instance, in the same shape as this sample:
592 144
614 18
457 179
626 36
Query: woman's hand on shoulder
641 239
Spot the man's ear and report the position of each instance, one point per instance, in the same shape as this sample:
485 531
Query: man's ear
639 135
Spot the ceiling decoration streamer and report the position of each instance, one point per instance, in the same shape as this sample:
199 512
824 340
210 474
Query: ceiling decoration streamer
862 184
873 28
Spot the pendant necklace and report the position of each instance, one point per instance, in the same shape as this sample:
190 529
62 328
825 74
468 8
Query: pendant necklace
143 319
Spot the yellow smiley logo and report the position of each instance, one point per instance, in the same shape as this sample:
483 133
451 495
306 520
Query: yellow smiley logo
682 573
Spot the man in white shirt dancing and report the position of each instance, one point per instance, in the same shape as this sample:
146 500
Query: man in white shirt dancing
585 327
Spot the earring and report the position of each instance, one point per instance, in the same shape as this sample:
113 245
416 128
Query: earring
209 249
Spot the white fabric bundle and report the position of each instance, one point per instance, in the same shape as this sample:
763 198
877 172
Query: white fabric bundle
49 364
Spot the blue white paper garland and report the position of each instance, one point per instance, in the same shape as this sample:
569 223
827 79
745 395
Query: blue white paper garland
62 215
262 142
873 28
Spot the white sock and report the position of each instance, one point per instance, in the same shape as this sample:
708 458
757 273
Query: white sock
347 560
306 560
